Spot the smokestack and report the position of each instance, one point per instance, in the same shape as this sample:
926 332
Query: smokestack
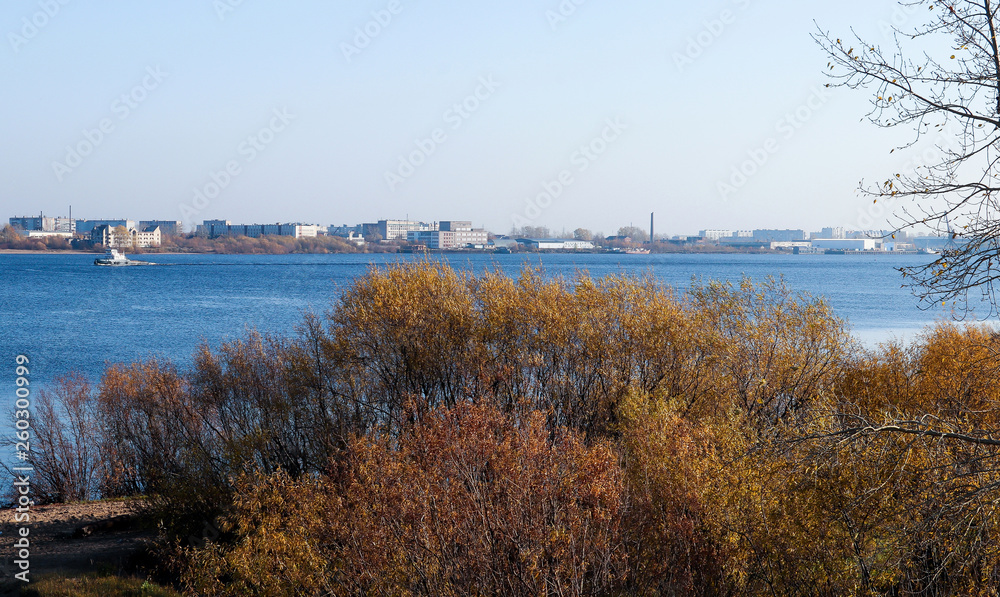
651 226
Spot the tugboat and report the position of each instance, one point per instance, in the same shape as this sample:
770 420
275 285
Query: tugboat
113 258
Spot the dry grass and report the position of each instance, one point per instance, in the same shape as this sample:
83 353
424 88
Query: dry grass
95 586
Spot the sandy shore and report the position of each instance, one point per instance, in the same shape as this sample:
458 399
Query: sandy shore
71 252
55 548
18 252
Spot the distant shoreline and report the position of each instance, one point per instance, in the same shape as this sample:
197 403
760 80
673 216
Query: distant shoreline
673 251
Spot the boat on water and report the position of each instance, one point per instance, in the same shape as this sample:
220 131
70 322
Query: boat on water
636 251
414 249
114 258
929 252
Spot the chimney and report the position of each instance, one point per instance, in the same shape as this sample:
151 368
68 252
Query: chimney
651 227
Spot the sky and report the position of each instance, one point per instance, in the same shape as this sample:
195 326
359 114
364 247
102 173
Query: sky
557 113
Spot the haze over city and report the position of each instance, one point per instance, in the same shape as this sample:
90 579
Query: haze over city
713 114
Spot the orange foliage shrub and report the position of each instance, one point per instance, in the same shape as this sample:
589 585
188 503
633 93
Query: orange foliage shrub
467 502
670 465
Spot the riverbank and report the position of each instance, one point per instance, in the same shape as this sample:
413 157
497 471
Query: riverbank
100 545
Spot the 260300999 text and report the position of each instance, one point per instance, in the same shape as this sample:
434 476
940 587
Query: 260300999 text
23 470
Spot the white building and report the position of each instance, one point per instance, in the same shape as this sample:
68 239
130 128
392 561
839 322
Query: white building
464 235
307 230
150 236
715 234
47 234
791 245
449 239
845 244
145 238
396 229
555 244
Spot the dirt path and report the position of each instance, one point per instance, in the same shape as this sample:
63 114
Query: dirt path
56 545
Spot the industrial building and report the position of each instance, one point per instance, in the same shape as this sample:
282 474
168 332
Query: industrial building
450 235
217 228
87 226
41 223
845 244
171 227
721 234
396 229
555 244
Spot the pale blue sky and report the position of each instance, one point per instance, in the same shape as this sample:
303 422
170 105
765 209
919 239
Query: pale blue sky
558 84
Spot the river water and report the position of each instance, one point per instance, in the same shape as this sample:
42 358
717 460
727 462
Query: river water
68 315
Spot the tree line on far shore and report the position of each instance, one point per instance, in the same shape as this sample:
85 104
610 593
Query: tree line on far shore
11 239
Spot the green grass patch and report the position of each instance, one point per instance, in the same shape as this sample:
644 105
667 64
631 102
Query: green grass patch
95 586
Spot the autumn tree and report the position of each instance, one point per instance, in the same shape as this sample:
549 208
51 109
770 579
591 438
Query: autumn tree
636 234
65 453
9 234
942 81
885 484
531 232
122 238
465 503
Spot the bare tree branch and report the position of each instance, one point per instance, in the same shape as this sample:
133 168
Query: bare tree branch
952 90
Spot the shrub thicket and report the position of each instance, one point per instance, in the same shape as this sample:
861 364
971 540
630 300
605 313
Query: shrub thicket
447 433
